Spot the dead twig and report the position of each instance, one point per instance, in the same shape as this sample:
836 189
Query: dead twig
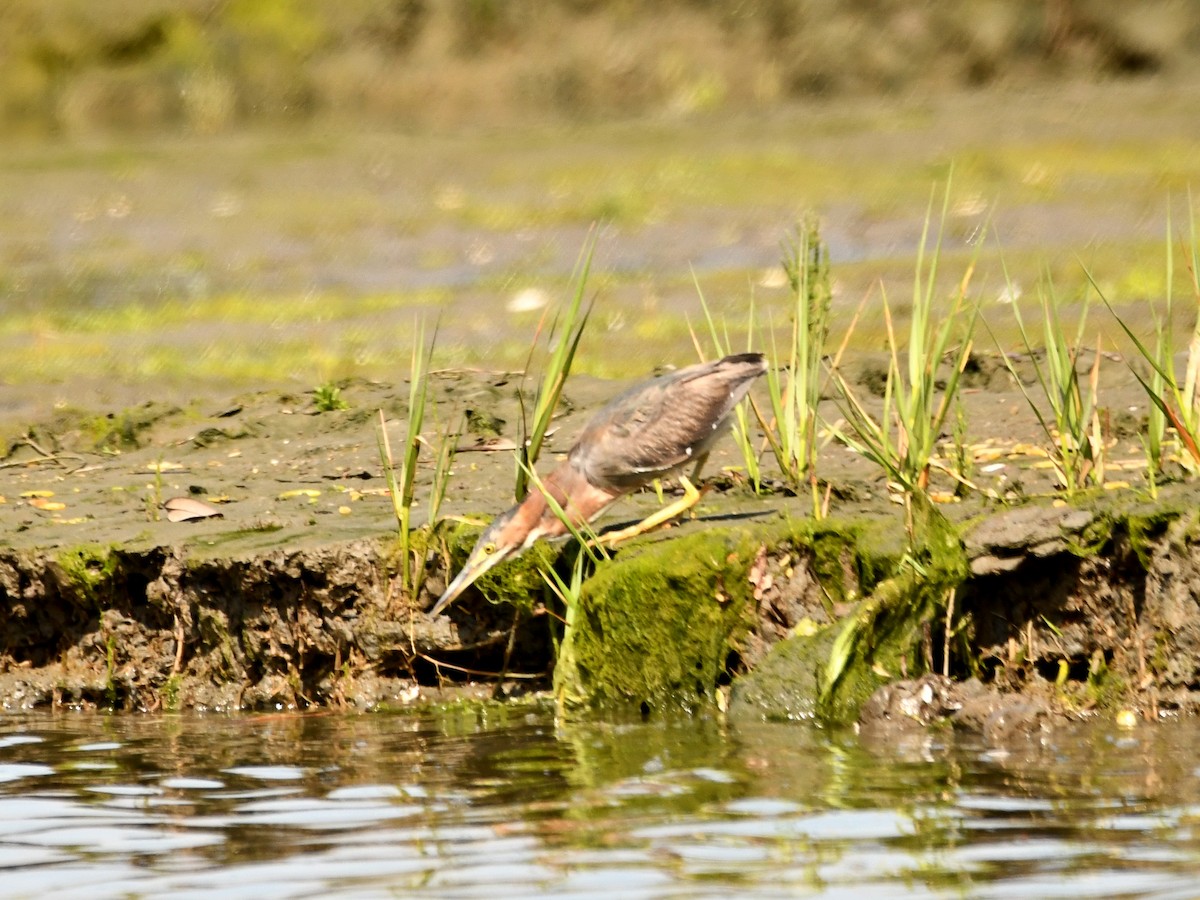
518 675
46 455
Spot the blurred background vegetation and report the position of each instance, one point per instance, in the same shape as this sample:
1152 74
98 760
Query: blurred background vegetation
205 66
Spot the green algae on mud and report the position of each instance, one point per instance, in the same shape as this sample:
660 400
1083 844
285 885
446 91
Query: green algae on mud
655 629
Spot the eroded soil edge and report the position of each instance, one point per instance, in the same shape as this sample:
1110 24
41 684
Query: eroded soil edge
1070 609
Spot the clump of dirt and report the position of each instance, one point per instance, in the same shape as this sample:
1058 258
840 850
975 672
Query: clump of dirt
934 700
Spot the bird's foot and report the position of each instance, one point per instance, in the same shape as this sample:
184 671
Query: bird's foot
691 496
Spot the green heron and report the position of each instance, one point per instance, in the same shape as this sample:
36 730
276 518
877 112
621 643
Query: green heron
647 432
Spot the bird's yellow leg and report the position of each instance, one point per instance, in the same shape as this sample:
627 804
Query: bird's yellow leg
690 498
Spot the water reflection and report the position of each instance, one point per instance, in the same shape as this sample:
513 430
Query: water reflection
506 802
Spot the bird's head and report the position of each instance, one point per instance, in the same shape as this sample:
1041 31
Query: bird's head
509 535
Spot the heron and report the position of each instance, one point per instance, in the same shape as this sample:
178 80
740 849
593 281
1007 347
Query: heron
652 430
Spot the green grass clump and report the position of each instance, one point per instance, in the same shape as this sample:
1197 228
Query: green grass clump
903 439
401 482
328 397
1171 400
1072 427
793 430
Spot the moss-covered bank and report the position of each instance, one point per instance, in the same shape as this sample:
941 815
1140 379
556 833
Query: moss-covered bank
1094 607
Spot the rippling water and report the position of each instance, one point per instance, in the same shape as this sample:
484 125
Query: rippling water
508 803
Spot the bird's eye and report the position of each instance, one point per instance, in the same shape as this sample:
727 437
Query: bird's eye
489 549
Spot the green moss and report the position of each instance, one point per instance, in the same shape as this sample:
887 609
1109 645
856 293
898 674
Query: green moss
656 628
110 669
517 581
1106 689
89 569
849 558
831 553
468 716
1145 529
787 684
213 627
882 638
1095 536
170 693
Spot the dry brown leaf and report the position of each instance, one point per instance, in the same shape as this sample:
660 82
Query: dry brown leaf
757 576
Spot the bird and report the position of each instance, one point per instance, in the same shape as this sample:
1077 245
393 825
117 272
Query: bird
651 430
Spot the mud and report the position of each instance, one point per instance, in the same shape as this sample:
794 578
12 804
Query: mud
291 597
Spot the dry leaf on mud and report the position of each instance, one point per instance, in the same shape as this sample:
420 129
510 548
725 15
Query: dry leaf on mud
49 505
28 494
164 466
490 445
184 509
1028 450
310 493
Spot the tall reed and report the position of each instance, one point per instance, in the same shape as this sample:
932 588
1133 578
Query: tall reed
1072 427
401 482
903 439
1177 403
795 391
565 333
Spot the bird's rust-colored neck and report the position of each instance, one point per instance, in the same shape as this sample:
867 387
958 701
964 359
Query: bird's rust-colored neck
580 500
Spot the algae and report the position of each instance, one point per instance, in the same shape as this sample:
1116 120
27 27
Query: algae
786 685
849 557
1145 529
1096 535
882 639
89 570
515 582
655 628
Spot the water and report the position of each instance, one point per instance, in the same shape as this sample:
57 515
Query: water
509 803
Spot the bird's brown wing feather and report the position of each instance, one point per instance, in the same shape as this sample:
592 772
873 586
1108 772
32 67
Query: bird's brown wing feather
655 428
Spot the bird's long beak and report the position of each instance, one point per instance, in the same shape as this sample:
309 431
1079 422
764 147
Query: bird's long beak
475 566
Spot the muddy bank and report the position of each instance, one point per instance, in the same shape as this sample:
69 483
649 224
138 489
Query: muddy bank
292 595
